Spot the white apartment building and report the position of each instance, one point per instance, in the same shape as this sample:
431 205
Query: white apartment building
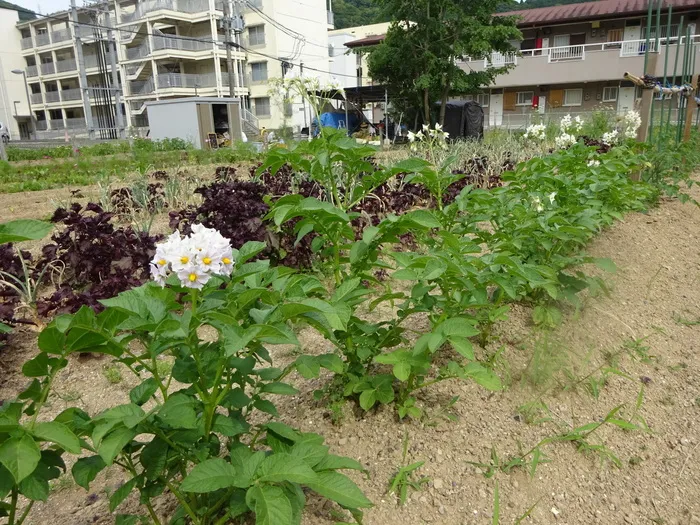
167 49
14 108
348 67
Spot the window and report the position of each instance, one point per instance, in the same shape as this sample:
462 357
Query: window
262 107
482 99
573 97
524 98
610 94
258 72
256 35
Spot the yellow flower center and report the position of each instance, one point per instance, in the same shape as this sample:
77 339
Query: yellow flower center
192 277
184 259
206 260
226 260
162 262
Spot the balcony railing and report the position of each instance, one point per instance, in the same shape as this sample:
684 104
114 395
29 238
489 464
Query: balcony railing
42 125
186 80
36 98
60 36
91 60
142 87
71 94
255 3
32 71
134 53
149 6
27 42
626 48
52 96
331 18
42 39
48 68
56 123
182 44
66 65
74 123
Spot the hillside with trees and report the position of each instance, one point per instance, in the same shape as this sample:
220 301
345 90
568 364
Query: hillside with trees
351 13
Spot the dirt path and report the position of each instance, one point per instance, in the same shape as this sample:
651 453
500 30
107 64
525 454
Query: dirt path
655 293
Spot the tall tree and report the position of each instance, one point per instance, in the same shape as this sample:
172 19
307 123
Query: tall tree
418 60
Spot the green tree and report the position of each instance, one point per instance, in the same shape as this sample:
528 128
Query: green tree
418 60
353 13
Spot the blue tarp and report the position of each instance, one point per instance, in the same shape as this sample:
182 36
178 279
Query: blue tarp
337 120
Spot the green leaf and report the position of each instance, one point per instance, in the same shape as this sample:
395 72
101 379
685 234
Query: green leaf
458 326
140 394
402 371
52 340
126 519
37 367
113 444
333 462
605 264
284 431
154 457
24 230
368 398
6 482
122 493
463 347
229 426
20 455
308 366
339 488
266 406
249 250
86 470
309 453
210 475
179 412
483 376
57 433
282 389
35 487
331 362
285 467
272 507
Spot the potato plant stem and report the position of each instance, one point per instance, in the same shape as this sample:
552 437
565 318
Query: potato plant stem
25 513
182 502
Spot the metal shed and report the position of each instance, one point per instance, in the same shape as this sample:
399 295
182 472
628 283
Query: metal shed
203 121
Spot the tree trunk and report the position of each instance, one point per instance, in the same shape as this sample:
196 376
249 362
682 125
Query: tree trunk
443 105
415 121
426 106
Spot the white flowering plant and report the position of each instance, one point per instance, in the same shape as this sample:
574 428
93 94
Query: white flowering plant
214 441
564 140
611 137
536 132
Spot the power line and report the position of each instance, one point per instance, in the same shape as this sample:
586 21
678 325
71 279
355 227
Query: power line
179 37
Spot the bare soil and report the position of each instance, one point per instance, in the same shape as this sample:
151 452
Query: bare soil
654 299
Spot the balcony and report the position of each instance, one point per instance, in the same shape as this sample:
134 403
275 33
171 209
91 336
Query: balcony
91 60
75 123
136 53
150 6
186 80
32 71
56 123
331 18
563 64
42 125
179 44
60 36
52 97
36 98
42 39
71 94
66 65
142 87
48 68
26 42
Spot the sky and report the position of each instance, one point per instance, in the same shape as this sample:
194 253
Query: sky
45 7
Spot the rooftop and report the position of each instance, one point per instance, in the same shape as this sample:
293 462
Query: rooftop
593 10
24 13
367 41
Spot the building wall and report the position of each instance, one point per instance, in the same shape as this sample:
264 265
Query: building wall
168 121
11 85
346 63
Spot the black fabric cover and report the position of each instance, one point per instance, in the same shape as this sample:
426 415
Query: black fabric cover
464 119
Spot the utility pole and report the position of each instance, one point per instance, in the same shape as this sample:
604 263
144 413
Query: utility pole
81 69
227 40
116 86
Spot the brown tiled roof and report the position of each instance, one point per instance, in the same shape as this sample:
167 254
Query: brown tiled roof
367 41
593 10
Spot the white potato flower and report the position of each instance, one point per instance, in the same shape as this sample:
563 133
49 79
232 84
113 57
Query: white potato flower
193 258
593 163
564 140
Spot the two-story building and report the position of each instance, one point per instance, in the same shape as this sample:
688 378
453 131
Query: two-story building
573 57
